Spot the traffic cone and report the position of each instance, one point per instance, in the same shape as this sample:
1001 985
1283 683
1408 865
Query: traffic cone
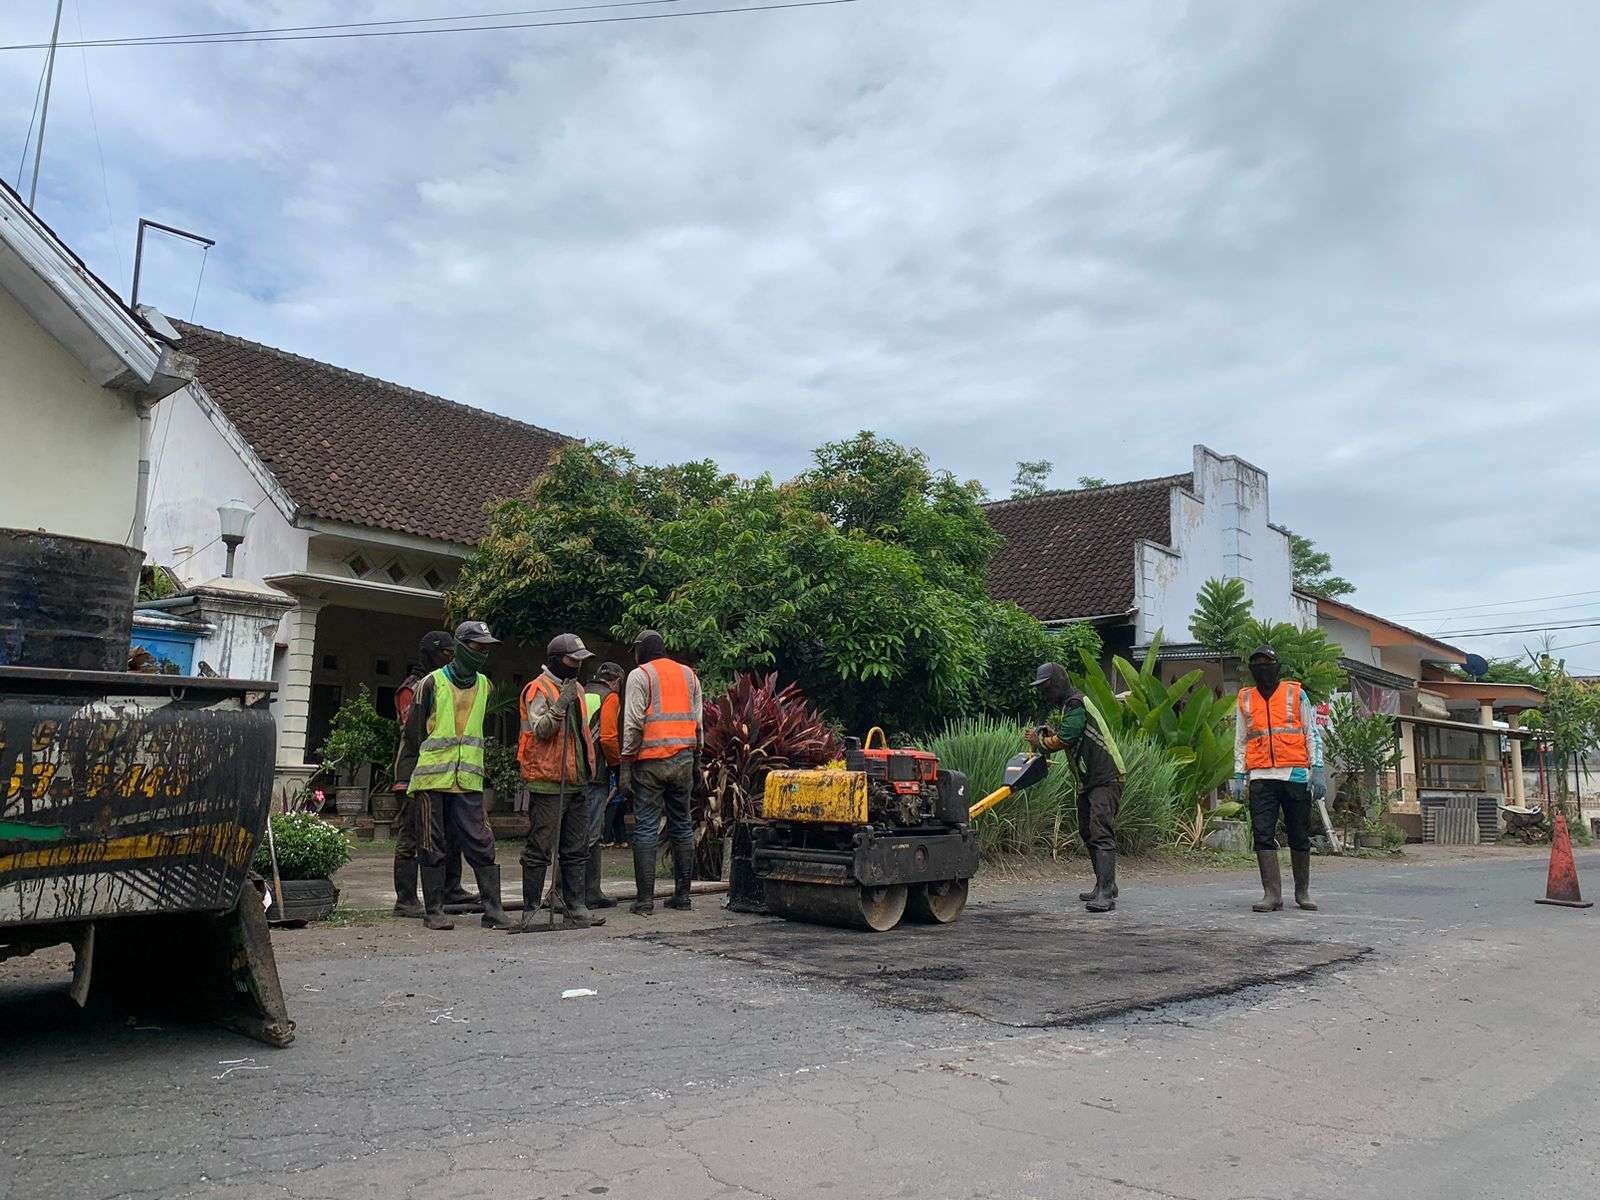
1562 887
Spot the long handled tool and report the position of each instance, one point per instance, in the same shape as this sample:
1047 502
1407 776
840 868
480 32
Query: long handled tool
1023 771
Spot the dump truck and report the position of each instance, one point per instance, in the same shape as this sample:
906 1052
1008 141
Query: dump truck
883 836
131 804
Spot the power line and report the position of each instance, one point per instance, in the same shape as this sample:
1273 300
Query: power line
94 123
146 39
1493 631
203 40
1418 612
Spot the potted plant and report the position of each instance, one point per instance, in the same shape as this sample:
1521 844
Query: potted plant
309 851
359 740
1359 750
753 728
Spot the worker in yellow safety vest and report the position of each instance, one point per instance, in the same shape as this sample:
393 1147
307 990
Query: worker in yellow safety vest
660 770
1277 763
445 731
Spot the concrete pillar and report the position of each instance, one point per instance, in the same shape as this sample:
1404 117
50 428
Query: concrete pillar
1518 796
243 619
1491 766
294 690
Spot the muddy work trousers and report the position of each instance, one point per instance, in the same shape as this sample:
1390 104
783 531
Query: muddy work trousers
571 811
1268 797
1097 816
408 844
458 823
663 785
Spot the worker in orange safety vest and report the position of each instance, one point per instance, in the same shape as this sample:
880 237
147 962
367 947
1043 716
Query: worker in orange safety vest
660 770
1277 762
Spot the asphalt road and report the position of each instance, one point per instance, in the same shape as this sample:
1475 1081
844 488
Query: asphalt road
1453 1056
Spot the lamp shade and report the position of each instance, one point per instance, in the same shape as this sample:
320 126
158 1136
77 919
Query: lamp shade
235 517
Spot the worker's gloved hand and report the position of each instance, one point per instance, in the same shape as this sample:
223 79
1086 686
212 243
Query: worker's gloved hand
1031 736
625 780
1237 787
698 787
570 691
1319 783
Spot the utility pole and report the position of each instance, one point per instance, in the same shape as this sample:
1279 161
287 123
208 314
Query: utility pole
44 113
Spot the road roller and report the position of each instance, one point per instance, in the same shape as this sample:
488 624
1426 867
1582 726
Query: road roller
885 835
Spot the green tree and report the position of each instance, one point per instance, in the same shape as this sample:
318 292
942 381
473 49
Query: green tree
1220 622
1568 716
1304 654
1032 478
1091 481
1313 570
862 580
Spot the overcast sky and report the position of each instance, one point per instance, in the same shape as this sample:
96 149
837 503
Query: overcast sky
1352 242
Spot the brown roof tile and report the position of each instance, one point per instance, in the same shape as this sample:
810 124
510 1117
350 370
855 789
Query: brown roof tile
351 448
1069 555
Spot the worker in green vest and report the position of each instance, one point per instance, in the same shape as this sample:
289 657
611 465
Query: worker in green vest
445 730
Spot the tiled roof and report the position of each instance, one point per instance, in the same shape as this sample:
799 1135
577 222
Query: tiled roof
1070 554
351 448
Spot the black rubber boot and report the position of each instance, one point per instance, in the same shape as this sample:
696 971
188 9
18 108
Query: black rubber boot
532 885
494 913
1094 863
1300 863
433 899
592 895
1271 882
644 881
682 875
578 915
1105 878
406 903
454 893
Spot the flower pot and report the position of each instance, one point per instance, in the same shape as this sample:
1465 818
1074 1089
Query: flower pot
350 801
1370 841
385 804
304 900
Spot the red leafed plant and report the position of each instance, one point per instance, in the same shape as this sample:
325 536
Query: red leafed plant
752 728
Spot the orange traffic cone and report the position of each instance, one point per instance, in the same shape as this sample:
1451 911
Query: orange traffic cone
1562 887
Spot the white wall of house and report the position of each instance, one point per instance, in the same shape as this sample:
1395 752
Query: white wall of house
1221 530
61 425
195 468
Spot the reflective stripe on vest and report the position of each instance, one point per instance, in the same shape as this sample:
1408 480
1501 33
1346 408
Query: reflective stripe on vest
451 760
671 725
555 759
1274 735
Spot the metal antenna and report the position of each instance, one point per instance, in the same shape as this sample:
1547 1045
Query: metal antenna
44 115
138 253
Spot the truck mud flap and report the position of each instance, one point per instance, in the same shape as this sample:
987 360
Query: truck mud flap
215 966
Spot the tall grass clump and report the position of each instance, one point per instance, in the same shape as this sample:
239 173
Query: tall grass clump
1148 815
1043 820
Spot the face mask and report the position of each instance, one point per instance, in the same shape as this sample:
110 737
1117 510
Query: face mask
1266 675
559 668
466 665
1073 722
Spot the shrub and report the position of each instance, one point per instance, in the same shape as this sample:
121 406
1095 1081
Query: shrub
500 768
1041 820
1150 807
358 736
308 847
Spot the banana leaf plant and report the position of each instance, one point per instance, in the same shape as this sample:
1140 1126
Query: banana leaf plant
1187 719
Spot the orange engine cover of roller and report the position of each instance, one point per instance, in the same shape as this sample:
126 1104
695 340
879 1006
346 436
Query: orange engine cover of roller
904 770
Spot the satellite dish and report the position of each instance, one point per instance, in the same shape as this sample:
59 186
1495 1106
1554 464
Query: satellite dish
1476 665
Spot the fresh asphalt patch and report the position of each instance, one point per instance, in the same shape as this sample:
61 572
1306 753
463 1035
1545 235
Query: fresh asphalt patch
1021 967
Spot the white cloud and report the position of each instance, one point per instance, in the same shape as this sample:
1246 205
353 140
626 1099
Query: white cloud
1353 244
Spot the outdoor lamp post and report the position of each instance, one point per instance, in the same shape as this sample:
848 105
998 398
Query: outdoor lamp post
235 516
